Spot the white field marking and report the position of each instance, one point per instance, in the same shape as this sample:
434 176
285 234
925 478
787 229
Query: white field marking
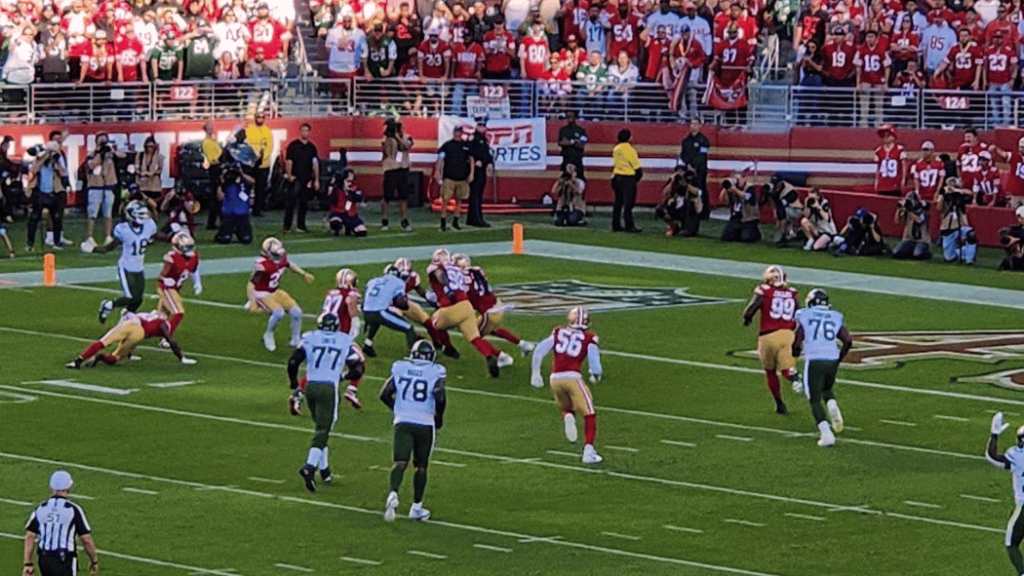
805 516
426 554
921 504
293 567
1003 411
150 561
204 572
851 428
556 540
266 480
85 387
622 448
981 498
522 461
139 491
561 453
453 464
948 523
679 443
897 422
15 502
360 561
174 384
493 548
953 418
744 523
82 496
861 509
539 539
736 438
683 529
16 398
617 535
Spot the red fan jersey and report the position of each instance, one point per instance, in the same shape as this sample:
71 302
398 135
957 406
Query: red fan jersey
571 346
988 187
970 166
890 167
1000 61
453 290
838 59
534 54
153 324
778 307
433 57
929 175
266 34
873 63
625 35
181 268
576 59
657 56
272 273
964 61
129 55
905 40
480 294
734 57
337 302
1015 175
468 60
574 14
496 45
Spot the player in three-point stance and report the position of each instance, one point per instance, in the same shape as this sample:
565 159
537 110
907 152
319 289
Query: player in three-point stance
572 344
1012 460
818 327
415 393
264 293
777 303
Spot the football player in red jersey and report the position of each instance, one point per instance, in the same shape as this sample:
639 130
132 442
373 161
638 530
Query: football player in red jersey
439 338
890 162
572 344
179 264
491 309
343 302
264 293
929 173
777 302
967 158
129 332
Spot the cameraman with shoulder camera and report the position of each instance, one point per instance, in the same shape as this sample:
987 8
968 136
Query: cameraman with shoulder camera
682 205
570 208
818 225
861 236
234 192
1012 239
49 177
100 184
744 214
959 244
912 212
789 210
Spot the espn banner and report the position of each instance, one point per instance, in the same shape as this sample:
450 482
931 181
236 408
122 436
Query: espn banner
516 144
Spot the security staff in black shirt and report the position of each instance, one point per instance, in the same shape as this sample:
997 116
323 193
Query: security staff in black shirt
52 530
483 161
694 155
302 172
572 138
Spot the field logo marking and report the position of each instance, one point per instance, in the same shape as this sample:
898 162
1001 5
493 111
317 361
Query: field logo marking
554 297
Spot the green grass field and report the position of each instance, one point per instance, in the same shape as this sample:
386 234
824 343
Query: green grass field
700 475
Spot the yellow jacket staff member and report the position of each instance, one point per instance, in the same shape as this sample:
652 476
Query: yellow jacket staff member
258 136
626 172
211 148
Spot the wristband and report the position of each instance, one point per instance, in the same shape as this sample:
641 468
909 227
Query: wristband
28 565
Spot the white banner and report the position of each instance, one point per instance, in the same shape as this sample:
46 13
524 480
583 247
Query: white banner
516 144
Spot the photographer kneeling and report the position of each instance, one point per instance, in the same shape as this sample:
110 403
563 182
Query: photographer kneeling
744 214
1012 239
570 208
682 205
344 198
818 224
959 244
789 210
912 212
180 208
235 196
861 236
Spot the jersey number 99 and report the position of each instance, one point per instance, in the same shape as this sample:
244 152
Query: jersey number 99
783 308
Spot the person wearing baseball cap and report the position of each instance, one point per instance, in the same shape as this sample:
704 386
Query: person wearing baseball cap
700 30
483 163
53 538
890 162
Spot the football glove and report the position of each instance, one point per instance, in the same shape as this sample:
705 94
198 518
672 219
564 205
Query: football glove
747 321
997 424
536 381
431 298
198 288
595 378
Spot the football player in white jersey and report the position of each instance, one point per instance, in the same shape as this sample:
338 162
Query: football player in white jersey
133 235
415 393
324 351
817 328
1012 460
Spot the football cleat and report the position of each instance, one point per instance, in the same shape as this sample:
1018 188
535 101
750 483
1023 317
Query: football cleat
137 213
106 307
273 249
346 278
183 243
774 275
327 322
504 360
422 350
350 396
798 386
579 317
817 297
369 351
451 352
780 407
268 341
526 347
75 364
295 403
461 260
570 427
164 343
418 512
492 366
326 476
590 456
406 226
827 439
307 472
835 416
441 256
186 361
295 342
389 507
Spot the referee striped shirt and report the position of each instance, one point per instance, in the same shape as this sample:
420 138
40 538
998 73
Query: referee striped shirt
57 522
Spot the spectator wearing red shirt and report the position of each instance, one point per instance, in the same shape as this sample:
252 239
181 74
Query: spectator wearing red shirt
573 55
904 45
873 63
499 48
838 55
998 76
968 160
928 173
435 58
890 163
624 32
98 61
882 17
573 14
131 58
534 53
687 59
733 56
988 186
908 84
963 63
657 48
467 61
747 25
1004 24
1014 183
74 26
268 34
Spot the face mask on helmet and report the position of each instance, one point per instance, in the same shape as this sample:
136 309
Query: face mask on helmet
327 322
775 276
461 260
184 243
441 256
346 278
579 317
273 249
422 350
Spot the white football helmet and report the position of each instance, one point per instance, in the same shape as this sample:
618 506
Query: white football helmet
404 265
183 243
137 212
774 275
273 249
441 256
579 317
346 278
461 260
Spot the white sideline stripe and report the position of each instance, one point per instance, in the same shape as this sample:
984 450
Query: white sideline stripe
267 480
921 504
622 448
86 387
493 548
683 529
980 498
360 561
679 443
231 571
736 438
82 496
744 522
897 422
861 509
539 539
443 463
560 453
139 491
617 535
293 567
953 418
426 554
555 540
15 502
805 516
150 561
948 523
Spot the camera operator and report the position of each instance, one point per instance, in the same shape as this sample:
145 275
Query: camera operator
49 177
912 212
861 236
682 205
744 215
818 224
344 197
959 244
570 208
100 184
1012 240
789 210
180 207
234 193
10 178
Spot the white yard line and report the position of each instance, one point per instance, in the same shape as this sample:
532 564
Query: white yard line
736 438
174 384
805 516
293 567
360 561
16 502
621 448
981 498
744 523
683 529
430 555
452 464
493 548
617 535
897 422
85 387
266 480
1003 411
561 453
679 443
82 496
139 491
953 418
921 504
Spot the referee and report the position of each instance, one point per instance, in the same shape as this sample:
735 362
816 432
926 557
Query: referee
52 530
626 172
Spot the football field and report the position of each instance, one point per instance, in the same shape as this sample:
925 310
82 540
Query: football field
194 469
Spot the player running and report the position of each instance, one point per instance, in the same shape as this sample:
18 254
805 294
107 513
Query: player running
439 338
1012 460
324 351
415 393
180 263
491 309
132 329
133 235
818 327
448 283
572 344
264 293
777 303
